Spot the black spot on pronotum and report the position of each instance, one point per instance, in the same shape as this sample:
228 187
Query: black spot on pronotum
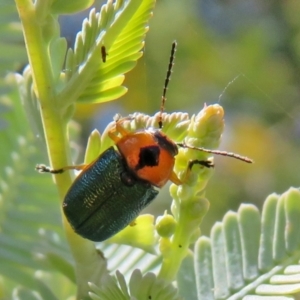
148 157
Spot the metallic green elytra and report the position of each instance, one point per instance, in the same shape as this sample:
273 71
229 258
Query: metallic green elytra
106 197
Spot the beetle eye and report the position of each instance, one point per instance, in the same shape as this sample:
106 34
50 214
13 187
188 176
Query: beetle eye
127 178
164 142
149 157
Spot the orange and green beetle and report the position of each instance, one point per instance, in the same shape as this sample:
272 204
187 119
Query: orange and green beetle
110 192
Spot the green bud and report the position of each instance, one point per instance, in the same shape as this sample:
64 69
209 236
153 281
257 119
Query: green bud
165 225
206 127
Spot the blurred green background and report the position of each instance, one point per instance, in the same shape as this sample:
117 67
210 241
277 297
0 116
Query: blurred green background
242 54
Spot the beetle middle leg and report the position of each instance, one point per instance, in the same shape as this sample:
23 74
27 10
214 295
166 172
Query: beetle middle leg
174 178
44 169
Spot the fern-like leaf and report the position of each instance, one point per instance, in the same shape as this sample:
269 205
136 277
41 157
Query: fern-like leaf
13 54
139 287
27 243
119 30
248 256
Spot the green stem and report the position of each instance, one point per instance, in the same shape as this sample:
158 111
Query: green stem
191 214
178 251
88 263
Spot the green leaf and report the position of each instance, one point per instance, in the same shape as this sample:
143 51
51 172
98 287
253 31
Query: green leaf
240 260
186 282
70 6
267 234
24 294
13 54
219 259
61 265
234 250
44 290
139 287
22 213
120 28
279 230
249 223
203 269
292 212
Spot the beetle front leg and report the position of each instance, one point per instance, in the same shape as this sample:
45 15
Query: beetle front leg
118 129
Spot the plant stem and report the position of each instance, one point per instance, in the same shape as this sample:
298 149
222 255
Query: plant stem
177 252
192 211
89 265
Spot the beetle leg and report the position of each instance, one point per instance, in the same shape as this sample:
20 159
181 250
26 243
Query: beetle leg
132 223
174 178
121 129
118 129
45 169
204 163
113 136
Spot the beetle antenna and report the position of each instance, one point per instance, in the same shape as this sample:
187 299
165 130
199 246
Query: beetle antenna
167 80
218 152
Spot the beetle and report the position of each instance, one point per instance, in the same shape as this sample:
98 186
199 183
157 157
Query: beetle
110 192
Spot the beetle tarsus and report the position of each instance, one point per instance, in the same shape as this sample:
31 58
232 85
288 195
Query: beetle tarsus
204 163
45 169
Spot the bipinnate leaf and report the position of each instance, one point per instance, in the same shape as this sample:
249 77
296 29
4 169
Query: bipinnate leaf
107 47
140 286
249 256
